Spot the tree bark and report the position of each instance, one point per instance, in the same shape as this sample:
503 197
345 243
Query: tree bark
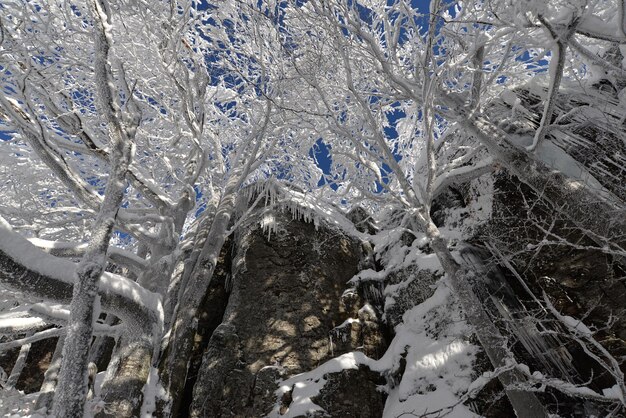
192 293
524 402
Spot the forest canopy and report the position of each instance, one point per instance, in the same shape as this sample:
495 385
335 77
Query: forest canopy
137 137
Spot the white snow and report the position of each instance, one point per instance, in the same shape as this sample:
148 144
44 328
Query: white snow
397 257
18 323
57 245
576 324
614 392
25 253
80 248
367 310
437 373
595 25
556 158
150 391
16 404
438 367
308 385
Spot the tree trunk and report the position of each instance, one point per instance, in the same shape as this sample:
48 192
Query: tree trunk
524 402
190 296
70 398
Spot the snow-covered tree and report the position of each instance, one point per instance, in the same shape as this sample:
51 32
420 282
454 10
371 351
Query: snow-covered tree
135 124
129 131
409 99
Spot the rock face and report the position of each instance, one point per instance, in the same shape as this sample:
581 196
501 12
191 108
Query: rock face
352 394
532 246
416 286
285 305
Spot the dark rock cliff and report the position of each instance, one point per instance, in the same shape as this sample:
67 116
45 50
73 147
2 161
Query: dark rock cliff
280 304
288 298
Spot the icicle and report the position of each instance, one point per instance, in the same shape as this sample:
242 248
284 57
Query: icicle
269 224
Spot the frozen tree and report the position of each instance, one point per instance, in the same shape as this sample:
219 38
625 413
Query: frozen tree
137 124
129 130
407 95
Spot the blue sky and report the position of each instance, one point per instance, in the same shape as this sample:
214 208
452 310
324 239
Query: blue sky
321 152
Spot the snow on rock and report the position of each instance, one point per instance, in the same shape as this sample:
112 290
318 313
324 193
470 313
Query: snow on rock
15 404
433 340
438 358
306 386
397 257
462 222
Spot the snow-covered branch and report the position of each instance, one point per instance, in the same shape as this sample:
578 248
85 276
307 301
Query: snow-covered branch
461 175
99 329
70 249
30 271
595 27
584 337
557 65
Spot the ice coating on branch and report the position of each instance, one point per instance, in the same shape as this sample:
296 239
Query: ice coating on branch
23 252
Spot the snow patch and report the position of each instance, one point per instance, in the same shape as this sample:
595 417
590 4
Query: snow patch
151 390
438 359
306 386
437 373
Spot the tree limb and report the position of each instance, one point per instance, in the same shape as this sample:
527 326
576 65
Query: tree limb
30 271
